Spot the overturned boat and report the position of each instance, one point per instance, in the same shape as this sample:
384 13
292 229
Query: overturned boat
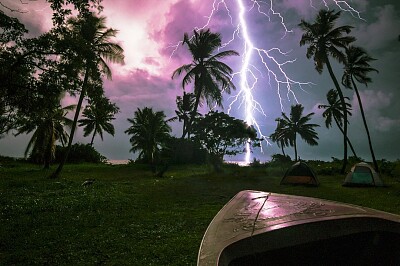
261 228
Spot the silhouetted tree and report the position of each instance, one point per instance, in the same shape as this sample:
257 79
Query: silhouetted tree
97 116
48 127
333 111
211 77
325 41
296 124
186 106
95 47
357 68
150 133
221 134
278 138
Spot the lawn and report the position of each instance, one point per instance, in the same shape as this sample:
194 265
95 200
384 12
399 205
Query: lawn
129 217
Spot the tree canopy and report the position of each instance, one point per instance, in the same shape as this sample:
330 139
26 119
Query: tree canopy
221 134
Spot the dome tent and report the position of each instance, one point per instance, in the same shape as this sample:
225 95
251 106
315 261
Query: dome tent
300 174
362 174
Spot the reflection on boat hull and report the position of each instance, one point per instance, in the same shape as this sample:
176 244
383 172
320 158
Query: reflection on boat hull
259 228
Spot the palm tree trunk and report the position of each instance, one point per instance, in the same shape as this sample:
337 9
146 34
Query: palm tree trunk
344 109
91 142
197 84
71 136
186 121
348 140
366 126
295 148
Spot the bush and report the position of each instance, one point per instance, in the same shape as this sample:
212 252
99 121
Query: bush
386 167
183 151
80 153
279 158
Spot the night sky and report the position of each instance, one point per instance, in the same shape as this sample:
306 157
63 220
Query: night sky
150 29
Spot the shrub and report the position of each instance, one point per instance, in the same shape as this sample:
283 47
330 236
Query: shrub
80 153
183 151
279 158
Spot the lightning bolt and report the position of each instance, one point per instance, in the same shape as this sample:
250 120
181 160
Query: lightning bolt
272 61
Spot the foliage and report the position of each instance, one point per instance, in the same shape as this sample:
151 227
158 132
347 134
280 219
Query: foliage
357 68
279 158
80 153
183 151
150 133
280 139
27 63
221 134
333 112
211 77
289 127
324 41
93 47
48 125
186 107
97 116
12 76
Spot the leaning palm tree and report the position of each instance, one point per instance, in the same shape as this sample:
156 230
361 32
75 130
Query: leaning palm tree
211 77
356 68
95 48
333 112
149 132
97 116
325 41
48 128
297 124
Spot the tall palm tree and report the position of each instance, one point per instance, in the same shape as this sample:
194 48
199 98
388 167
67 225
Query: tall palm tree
211 77
149 132
297 124
325 41
96 48
48 128
357 68
97 116
333 112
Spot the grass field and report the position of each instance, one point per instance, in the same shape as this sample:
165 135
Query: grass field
129 217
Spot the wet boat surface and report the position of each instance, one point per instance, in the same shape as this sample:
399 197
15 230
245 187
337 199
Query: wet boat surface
261 228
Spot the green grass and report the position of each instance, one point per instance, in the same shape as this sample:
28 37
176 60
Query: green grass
129 217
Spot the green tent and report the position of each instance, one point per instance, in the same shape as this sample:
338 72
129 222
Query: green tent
362 174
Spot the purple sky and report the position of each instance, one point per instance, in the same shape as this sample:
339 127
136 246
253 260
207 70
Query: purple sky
148 30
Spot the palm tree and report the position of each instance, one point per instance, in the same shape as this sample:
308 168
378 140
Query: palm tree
97 116
185 105
325 41
279 139
149 132
48 128
333 111
96 47
356 68
211 77
296 124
